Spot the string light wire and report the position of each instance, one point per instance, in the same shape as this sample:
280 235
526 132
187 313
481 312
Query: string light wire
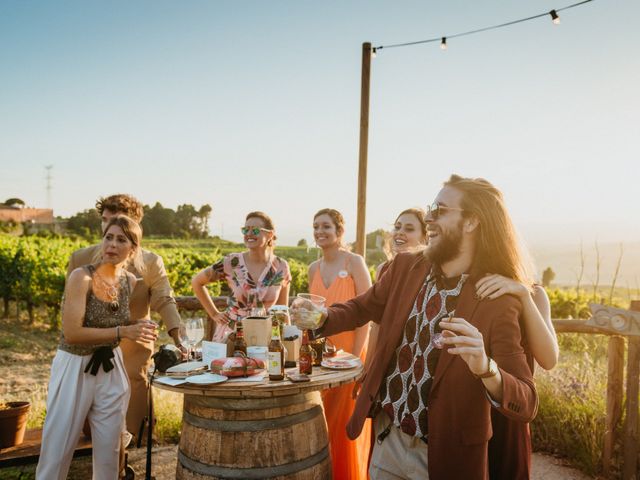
484 29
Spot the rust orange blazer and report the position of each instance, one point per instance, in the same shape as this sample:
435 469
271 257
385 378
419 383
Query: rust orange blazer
459 410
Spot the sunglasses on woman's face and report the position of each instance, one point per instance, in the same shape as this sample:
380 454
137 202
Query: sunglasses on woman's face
253 230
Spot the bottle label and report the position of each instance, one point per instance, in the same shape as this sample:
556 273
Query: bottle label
304 363
274 360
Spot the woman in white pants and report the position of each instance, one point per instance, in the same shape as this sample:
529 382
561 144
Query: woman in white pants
88 379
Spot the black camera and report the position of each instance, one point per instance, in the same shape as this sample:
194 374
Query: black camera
166 357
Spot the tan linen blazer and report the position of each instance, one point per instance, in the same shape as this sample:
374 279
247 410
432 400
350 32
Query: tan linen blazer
459 409
152 290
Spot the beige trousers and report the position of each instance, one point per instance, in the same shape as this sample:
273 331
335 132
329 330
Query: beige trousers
73 396
137 359
400 456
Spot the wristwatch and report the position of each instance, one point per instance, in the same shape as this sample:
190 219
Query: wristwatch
492 371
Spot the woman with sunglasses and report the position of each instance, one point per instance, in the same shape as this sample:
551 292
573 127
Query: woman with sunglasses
339 276
256 277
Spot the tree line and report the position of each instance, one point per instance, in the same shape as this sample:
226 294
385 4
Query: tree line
186 221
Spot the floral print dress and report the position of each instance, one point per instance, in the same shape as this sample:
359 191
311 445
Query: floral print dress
247 293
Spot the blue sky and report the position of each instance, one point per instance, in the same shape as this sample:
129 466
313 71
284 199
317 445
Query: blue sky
255 105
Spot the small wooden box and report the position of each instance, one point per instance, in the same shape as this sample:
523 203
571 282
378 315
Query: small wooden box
293 349
292 346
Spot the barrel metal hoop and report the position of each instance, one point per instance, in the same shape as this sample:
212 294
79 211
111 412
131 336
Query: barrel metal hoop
251 425
250 403
234 473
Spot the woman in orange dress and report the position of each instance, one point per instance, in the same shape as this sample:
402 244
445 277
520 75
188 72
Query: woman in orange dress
339 276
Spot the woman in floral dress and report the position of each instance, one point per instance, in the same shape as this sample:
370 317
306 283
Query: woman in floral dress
256 277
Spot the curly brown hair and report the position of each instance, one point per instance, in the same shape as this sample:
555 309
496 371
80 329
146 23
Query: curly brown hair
121 203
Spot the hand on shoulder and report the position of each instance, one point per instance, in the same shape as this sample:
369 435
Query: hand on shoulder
494 286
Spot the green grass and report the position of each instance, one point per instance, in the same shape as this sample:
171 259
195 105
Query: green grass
168 411
571 416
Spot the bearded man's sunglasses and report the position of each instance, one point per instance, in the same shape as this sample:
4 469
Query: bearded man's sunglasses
435 210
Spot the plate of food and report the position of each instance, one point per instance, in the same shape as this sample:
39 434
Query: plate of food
340 363
206 379
186 369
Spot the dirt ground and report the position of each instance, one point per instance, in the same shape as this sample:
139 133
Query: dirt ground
545 467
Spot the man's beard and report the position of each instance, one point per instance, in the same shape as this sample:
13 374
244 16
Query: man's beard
448 247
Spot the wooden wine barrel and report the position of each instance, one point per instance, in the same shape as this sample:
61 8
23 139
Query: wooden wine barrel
249 438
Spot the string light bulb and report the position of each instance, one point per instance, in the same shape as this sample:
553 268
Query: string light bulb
374 51
554 17
443 43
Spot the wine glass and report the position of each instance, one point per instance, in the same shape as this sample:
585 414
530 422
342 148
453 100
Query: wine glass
307 311
194 330
184 340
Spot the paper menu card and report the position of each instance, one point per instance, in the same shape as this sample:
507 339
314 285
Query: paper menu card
213 350
258 352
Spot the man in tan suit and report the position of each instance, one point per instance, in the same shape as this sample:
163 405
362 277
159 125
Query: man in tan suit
152 292
444 358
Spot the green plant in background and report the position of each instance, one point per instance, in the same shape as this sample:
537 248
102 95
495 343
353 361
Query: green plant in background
301 254
568 303
299 277
182 264
167 409
8 249
34 271
571 415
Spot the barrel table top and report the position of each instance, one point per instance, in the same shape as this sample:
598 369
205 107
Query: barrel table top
322 378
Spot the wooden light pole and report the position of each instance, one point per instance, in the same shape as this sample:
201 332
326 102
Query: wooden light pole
361 238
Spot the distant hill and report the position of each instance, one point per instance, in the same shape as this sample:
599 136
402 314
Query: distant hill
565 262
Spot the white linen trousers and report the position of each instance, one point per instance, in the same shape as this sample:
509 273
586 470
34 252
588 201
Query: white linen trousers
73 396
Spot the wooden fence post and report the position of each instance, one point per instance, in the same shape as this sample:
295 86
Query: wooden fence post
615 376
629 470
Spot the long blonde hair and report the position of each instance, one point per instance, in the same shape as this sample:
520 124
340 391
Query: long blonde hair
498 248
